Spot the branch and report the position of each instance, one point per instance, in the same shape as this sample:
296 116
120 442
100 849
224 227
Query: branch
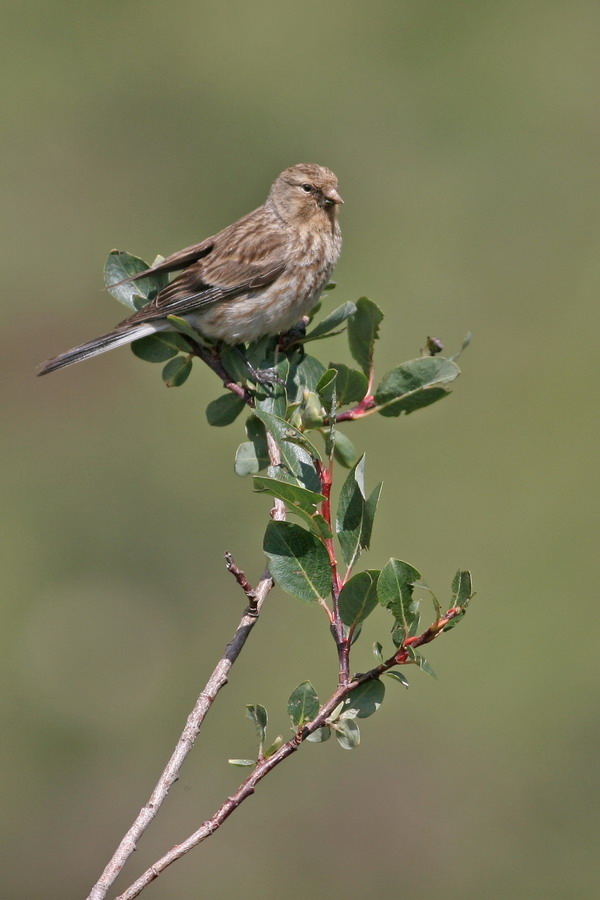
366 407
241 580
214 363
217 680
247 787
337 627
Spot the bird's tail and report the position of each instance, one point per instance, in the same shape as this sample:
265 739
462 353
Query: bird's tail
99 345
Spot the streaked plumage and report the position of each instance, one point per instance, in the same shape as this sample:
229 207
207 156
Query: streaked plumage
258 276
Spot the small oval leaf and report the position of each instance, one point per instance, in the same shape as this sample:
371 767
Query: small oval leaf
365 699
303 704
224 410
347 734
177 371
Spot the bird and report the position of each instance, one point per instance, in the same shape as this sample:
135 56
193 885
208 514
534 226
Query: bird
257 277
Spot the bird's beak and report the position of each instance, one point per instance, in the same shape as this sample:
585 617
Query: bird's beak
332 196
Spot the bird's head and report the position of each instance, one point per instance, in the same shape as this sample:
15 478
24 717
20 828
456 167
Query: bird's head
306 191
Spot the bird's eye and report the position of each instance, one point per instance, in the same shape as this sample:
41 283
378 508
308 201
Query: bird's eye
306 187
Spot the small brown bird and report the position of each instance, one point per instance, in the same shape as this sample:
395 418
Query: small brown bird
257 277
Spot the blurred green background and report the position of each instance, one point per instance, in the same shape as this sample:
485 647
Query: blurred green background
466 139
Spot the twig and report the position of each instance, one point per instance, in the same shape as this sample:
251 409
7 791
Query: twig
241 580
185 743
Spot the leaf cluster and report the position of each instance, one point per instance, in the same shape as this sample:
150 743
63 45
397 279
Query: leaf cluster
301 412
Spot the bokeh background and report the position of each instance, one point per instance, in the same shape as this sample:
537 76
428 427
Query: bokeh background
466 139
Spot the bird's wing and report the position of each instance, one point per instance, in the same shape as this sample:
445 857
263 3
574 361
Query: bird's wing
194 252
229 268
181 259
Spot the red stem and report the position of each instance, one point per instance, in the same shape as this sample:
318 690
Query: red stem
342 642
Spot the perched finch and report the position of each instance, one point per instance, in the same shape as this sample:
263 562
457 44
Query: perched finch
257 277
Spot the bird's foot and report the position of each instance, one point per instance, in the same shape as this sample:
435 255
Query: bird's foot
266 377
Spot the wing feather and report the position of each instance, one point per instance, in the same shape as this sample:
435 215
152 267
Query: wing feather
246 256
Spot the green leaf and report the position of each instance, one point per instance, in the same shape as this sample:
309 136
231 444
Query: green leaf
258 715
436 603
332 321
350 385
284 433
320 735
344 450
273 748
335 713
176 372
395 590
355 634
296 467
258 438
414 628
358 597
462 588
241 762
296 464
153 349
298 561
275 403
311 411
295 496
399 633
363 331
159 347
246 461
304 373
378 651
420 661
369 516
326 389
273 398
415 384
224 410
350 513
184 327
397 676
303 704
298 500
134 294
320 526
365 699
347 734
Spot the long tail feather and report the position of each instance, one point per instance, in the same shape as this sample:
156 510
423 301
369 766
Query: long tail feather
100 345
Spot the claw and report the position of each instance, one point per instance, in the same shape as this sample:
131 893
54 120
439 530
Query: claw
261 376
265 376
